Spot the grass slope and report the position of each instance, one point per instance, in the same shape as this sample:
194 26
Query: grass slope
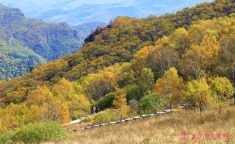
166 128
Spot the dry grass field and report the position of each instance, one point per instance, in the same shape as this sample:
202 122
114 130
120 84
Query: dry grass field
180 126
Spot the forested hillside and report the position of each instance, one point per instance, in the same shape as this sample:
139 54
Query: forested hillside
15 60
47 40
135 66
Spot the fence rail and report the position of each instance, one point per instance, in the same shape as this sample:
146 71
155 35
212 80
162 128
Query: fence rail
120 121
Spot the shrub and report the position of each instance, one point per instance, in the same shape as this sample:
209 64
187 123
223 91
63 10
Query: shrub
88 119
105 116
149 104
6 137
133 92
40 132
106 101
124 112
76 114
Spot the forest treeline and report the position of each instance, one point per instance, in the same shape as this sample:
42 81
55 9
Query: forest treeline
135 66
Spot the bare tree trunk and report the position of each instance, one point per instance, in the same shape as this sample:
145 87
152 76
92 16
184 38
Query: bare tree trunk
234 84
233 76
200 110
234 98
219 109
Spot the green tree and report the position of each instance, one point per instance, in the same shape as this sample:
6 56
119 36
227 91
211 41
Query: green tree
126 75
149 103
146 81
106 101
133 92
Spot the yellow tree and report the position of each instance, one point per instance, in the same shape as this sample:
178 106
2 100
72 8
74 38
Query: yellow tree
21 113
139 61
38 96
8 116
227 48
222 89
10 97
198 93
63 115
91 84
44 99
17 96
120 102
49 109
35 114
3 85
110 75
211 48
191 63
200 58
18 115
119 98
170 86
181 40
199 29
62 88
95 87
78 105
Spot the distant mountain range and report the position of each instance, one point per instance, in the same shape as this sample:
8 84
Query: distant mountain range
85 29
25 42
75 12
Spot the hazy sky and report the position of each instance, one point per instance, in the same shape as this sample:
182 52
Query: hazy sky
80 11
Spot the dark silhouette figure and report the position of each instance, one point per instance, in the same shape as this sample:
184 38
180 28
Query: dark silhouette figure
96 109
31 68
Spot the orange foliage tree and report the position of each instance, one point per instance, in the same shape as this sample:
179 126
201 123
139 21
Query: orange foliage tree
63 115
170 87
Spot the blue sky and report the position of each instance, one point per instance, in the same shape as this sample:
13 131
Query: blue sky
76 12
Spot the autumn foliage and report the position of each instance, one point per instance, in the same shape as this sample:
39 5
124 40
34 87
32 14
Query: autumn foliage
183 58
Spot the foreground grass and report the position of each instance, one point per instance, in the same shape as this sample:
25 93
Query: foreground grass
165 128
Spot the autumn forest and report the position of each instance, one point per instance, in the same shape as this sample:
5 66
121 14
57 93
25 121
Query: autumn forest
135 66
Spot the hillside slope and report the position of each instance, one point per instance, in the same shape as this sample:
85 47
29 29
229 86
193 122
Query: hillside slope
135 66
48 40
119 43
15 60
209 128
